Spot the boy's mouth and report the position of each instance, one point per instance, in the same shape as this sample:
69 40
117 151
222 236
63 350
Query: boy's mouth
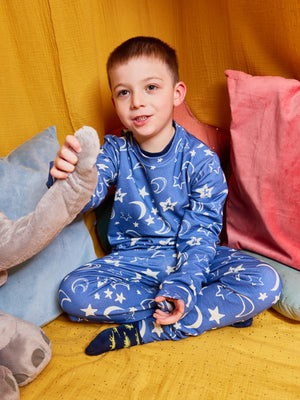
141 119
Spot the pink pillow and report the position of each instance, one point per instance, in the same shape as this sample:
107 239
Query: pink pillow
215 138
263 208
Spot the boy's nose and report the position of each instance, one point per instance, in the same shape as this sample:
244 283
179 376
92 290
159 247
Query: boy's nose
137 100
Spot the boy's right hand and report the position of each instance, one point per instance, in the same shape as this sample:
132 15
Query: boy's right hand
66 158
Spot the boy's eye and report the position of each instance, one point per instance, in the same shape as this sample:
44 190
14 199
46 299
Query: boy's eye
151 87
122 93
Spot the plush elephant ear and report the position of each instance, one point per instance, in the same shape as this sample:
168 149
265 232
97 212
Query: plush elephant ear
24 348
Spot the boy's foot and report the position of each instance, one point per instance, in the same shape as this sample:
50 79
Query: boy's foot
126 335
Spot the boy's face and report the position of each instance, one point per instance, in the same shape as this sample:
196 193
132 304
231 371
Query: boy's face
144 95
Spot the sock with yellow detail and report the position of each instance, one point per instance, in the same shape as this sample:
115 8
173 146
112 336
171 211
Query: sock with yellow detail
125 335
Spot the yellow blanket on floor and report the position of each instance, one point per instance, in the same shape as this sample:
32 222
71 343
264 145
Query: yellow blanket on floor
260 362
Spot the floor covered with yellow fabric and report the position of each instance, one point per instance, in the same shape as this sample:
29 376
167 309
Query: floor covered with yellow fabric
260 362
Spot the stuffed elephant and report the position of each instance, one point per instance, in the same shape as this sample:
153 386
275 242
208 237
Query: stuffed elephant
25 350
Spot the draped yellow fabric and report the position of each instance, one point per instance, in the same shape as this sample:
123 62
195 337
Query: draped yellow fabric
53 55
52 72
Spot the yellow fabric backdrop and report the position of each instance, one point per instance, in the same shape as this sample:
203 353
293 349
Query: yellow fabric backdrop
53 55
52 72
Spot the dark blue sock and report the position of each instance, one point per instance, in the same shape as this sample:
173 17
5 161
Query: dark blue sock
243 324
125 335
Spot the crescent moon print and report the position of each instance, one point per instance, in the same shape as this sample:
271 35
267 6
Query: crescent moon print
159 184
186 165
189 295
115 284
65 297
124 146
245 312
142 207
80 283
198 321
277 282
138 165
133 233
148 303
110 309
143 328
164 229
185 227
179 147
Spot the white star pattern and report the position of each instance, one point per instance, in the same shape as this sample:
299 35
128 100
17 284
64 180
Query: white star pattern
215 315
157 329
120 298
143 192
149 272
208 152
205 191
262 296
150 220
194 241
119 195
168 205
102 167
108 293
89 310
170 270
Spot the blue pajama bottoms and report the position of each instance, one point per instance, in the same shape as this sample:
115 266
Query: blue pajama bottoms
121 287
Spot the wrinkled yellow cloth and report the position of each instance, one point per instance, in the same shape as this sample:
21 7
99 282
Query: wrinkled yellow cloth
260 362
52 57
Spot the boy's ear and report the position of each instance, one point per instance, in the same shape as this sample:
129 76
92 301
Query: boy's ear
179 93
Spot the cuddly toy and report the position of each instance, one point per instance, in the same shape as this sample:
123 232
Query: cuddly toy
25 350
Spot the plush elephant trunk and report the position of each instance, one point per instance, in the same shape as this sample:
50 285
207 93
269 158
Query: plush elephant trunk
21 239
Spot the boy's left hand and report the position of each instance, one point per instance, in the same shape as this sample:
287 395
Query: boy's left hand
167 317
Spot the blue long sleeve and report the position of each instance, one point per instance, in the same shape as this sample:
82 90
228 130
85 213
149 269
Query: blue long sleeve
172 201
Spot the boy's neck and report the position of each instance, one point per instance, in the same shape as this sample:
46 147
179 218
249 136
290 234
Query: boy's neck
159 153
156 144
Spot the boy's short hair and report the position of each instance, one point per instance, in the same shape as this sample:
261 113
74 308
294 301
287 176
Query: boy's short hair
144 46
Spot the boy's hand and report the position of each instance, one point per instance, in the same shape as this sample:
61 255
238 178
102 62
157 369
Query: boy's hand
66 158
167 317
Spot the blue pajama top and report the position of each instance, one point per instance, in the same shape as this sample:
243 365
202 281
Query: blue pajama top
172 201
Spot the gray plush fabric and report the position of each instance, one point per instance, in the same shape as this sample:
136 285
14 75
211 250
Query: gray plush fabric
58 207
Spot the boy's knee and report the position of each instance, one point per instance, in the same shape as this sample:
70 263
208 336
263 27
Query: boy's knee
66 294
271 281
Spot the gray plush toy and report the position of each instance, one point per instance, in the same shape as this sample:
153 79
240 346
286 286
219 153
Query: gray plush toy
25 350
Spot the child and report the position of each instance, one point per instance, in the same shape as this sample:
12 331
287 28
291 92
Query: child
166 277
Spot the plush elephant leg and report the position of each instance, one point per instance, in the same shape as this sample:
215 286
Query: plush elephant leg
25 237
24 348
9 389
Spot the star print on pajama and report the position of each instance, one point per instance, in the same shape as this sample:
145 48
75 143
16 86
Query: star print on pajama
164 229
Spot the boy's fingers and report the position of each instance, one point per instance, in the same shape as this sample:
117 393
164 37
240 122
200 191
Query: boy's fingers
73 143
63 165
56 173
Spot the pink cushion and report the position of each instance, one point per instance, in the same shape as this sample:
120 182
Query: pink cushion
214 138
264 191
